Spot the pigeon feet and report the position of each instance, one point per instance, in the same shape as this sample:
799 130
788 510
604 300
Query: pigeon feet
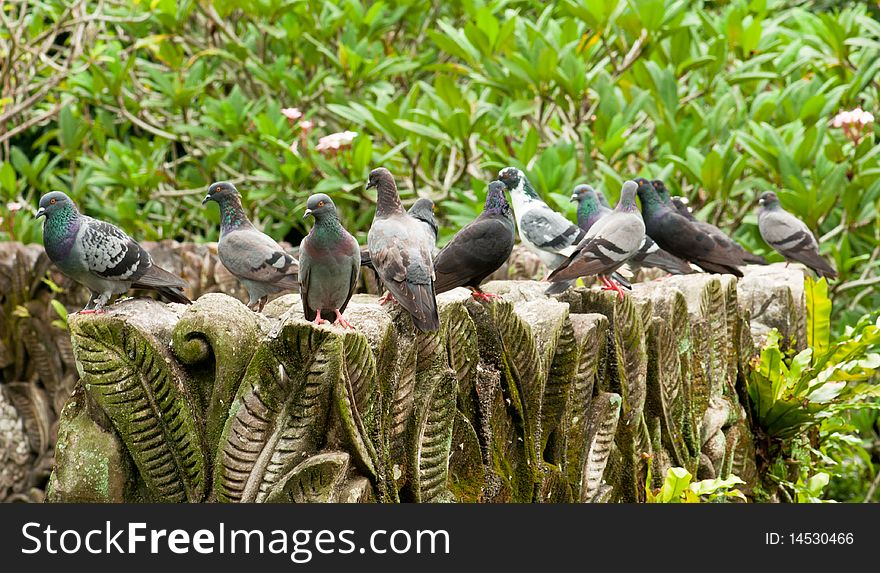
342 322
484 296
318 320
92 311
385 299
612 286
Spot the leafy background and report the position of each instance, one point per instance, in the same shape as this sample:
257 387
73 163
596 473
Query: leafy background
135 107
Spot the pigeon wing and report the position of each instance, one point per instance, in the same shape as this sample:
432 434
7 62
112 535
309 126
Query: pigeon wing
111 254
475 252
255 256
549 230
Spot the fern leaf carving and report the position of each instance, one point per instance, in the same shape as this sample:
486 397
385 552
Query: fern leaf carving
601 427
132 376
315 480
433 437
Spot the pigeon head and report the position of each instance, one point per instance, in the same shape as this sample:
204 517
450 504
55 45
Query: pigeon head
662 191
55 202
220 191
647 195
517 182
320 206
422 209
641 181
387 198
378 177
628 197
496 202
584 193
767 199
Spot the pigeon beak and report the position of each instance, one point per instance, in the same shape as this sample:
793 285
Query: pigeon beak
370 184
307 213
206 199
40 212
573 198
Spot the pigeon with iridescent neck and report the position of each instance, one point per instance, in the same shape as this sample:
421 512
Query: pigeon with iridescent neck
100 256
720 237
480 248
253 257
609 243
329 264
590 210
423 211
401 253
678 236
790 236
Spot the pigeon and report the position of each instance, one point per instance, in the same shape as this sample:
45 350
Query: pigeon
717 234
100 256
543 231
401 254
250 255
590 210
678 236
480 248
423 210
329 263
790 236
607 246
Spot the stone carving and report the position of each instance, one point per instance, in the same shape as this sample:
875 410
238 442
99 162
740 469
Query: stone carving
524 399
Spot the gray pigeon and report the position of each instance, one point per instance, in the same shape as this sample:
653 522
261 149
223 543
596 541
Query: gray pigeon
790 236
250 255
401 254
480 248
423 211
590 210
608 244
99 255
329 263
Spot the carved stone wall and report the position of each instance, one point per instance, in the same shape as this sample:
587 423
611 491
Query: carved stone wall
527 398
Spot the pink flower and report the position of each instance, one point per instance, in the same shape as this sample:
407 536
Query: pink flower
14 206
853 123
291 113
294 147
306 126
330 144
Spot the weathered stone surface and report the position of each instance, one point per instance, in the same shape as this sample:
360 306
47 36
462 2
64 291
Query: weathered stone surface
774 296
526 398
92 464
15 452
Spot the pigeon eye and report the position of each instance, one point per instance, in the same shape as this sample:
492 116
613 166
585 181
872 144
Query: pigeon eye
53 201
320 203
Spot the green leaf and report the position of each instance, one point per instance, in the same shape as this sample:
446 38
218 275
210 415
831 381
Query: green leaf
818 315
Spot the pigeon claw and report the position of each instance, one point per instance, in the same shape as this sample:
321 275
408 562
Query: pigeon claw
612 286
386 298
342 322
92 311
484 296
318 320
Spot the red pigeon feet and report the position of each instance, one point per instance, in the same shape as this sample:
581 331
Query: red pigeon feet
93 311
484 296
341 321
318 320
387 297
612 286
